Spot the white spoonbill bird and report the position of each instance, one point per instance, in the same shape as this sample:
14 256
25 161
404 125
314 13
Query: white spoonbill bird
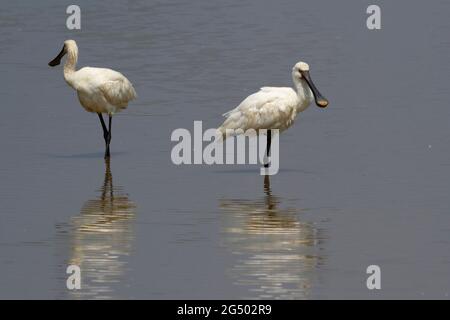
99 90
274 107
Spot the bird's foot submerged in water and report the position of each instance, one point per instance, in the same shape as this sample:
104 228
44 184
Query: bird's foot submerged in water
107 153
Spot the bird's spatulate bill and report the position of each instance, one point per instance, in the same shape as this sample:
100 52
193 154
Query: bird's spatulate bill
320 100
58 58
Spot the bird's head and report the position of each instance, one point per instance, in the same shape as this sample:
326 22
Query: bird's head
300 73
69 46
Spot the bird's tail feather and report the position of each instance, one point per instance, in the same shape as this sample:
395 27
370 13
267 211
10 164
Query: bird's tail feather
220 134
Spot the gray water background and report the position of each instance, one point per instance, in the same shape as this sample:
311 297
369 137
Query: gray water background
365 181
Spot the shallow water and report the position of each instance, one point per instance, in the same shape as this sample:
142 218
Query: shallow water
362 182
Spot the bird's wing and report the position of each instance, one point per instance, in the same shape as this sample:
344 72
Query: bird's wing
114 86
268 108
264 94
118 92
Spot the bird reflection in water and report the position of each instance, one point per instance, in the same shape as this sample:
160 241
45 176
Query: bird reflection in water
102 238
276 251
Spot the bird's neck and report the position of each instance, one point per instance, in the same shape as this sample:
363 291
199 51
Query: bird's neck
71 62
305 95
70 66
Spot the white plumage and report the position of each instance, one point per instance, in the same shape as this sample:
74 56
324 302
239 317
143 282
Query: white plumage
99 90
274 107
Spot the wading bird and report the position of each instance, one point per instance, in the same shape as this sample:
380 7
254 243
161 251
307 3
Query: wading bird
274 107
99 90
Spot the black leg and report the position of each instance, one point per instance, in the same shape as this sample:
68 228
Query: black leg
109 128
108 139
269 142
106 134
105 130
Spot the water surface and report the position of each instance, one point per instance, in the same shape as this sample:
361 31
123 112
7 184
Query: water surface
362 182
